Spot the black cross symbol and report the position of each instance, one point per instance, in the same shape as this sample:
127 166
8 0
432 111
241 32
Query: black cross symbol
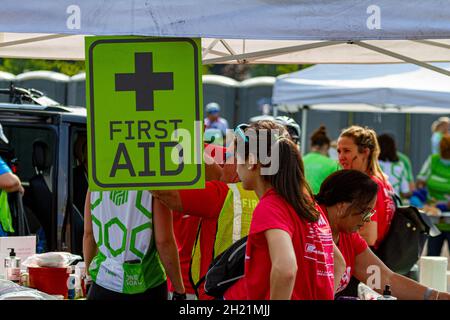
144 81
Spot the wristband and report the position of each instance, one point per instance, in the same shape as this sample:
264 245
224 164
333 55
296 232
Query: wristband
427 294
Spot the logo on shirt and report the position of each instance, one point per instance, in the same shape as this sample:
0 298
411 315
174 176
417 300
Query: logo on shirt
321 222
311 248
345 279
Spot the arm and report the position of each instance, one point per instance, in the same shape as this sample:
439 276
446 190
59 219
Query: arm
424 173
339 266
405 186
369 232
166 245
89 245
403 288
170 198
284 264
212 170
10 183
204 203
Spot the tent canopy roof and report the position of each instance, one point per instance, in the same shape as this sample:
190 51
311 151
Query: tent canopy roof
378 85
341 20
235 31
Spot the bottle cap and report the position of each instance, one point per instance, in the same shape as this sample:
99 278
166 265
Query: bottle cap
387 290
12 253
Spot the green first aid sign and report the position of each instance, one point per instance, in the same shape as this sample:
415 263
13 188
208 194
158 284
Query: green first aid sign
144 98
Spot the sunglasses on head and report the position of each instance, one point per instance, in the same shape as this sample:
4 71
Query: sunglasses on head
240 131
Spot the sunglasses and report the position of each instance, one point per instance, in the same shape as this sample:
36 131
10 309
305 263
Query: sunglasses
368 214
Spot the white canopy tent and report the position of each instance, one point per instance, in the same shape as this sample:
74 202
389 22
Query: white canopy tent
232 31
387 88
384 84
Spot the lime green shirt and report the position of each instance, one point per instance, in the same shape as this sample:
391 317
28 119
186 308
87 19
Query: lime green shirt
317 168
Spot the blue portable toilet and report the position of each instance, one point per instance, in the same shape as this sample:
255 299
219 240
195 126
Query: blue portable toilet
255 96
6 79
222 90
76 90
52 84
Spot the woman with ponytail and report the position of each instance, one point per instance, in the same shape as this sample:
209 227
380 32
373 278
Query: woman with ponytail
289 252
358 149
318 165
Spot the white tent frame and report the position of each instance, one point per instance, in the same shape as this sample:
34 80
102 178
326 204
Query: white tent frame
253 57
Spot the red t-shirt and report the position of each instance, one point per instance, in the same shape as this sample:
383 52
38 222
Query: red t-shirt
313 245
238 291
350 245
385 208
185 229
206 204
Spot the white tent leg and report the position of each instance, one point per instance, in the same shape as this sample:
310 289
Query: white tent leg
401 57
275 111
270 53
304 123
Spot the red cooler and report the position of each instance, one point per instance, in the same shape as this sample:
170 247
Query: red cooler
50 280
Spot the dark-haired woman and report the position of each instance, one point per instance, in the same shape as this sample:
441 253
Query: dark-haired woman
289 252
348 198
318 165
392 166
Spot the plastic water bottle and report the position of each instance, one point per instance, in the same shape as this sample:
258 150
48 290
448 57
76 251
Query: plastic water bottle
71 287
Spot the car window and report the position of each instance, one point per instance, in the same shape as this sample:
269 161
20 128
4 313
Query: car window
21 141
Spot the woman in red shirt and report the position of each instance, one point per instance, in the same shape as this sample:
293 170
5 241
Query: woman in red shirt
348 198
289 252
358 149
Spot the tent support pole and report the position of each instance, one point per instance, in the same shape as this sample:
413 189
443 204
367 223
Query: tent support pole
433 43
401 57
270 53
34 39
275 111
210 47
304 123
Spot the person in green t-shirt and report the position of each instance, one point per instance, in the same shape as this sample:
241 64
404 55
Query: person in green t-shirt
435 176
318 165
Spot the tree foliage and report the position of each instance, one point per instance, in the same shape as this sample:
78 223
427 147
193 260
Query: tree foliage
17 66
236 71
244 71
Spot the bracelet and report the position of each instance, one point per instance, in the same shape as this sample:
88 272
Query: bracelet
427 294
437 295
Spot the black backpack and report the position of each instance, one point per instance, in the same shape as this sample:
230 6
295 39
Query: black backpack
404 242
226 269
